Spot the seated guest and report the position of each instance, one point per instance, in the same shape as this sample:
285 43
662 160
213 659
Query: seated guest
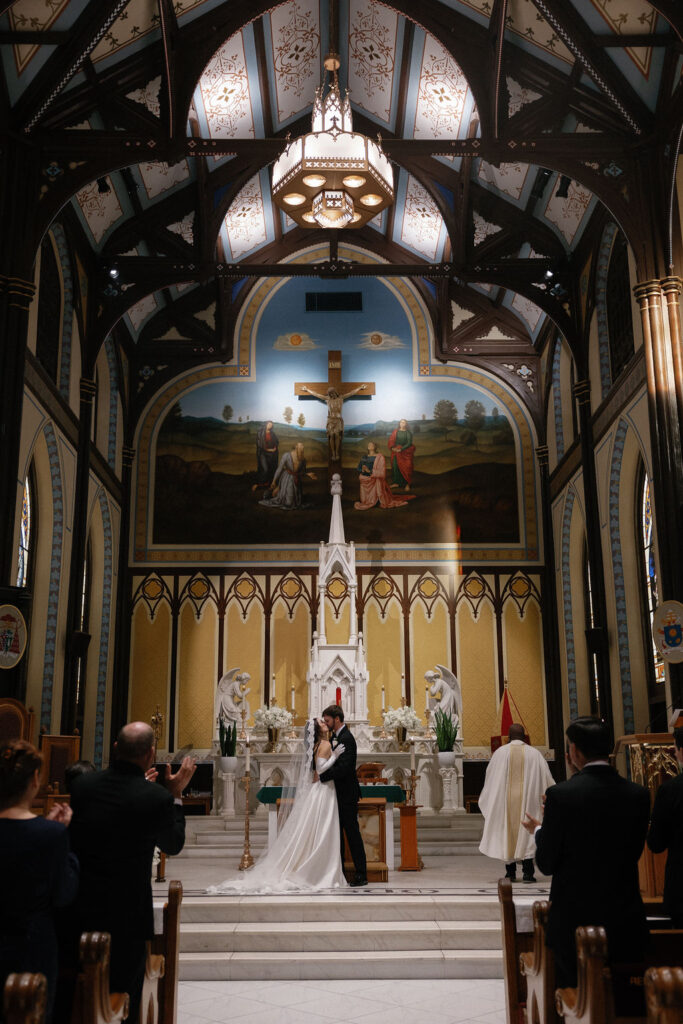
38 873
118 818
73 770
666 833
593 833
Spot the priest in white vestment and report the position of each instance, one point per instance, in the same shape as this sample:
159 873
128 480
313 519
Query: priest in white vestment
516 779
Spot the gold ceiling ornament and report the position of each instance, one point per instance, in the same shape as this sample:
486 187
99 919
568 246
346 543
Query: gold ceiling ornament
333 177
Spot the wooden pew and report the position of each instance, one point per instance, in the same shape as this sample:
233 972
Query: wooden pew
151 986
664 995
167 946
538 968
610 994
24 999
93 1002
515 943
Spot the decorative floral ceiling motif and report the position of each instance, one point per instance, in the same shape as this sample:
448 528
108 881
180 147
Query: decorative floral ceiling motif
528 310
519 96
373 31
184 228
483 229
245 221
422 221
525 20
33 16
148 96
138 18
508 178
630 17
567 214
100 209
138 313
223 96
442 94
459 315
158 176
295 41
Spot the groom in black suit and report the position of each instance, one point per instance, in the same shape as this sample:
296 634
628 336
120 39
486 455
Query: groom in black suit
343 774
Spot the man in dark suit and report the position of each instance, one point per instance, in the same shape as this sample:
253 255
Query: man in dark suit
666 833
343 774
593 833
119 816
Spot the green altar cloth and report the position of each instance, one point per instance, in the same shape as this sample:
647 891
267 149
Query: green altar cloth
392 794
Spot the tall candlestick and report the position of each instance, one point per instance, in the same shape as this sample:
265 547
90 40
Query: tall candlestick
293 700
248 758
383 701
412 755
273 693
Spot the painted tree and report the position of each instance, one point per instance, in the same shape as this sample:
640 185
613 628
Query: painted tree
301 420
287 414
445 414
228 413
475 415
495 414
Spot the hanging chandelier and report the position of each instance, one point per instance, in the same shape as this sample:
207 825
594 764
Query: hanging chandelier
333 177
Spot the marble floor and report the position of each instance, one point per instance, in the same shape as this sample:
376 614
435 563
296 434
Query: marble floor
413 1001
364 1002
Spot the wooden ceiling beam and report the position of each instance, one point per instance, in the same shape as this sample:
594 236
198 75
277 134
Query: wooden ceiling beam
169 37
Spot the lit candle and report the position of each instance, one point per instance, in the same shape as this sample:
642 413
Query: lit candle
412 756
383 701
273 692
248 757
293 704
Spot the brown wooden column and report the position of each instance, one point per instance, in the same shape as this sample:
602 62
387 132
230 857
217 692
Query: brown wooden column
550 620
597 638
76 644
671 290
665 440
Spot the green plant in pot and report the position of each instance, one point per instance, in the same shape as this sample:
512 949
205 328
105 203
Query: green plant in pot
446 729
227 739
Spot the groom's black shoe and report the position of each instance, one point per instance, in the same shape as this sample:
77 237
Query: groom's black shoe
358 881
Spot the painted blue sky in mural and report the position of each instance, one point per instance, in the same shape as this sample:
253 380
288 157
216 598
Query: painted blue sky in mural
292 345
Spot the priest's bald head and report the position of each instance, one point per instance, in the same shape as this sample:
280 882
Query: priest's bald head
515 732
135 743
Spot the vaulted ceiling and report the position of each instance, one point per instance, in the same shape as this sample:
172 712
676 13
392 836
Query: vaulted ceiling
511 124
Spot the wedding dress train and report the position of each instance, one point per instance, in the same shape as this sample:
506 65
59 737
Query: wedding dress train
305 856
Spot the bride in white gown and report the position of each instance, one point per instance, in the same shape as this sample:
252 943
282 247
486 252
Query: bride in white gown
306 855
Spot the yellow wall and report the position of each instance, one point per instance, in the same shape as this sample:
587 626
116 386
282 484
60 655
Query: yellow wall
524 667
478 674
197 675
384 653
290 647
150 665
430 646
244 648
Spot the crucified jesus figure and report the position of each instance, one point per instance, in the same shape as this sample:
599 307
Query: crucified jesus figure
335 423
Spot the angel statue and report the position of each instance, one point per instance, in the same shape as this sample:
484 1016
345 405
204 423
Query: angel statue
444 685
231 697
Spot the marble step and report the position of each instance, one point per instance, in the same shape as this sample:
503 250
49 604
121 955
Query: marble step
342 936
377 964
347 907
233 850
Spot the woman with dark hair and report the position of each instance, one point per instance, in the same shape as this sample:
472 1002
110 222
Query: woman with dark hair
38 873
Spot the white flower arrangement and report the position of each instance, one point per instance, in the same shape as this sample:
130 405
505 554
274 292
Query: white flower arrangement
272 718
401 718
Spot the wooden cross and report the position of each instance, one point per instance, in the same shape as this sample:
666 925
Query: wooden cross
344 390
334 380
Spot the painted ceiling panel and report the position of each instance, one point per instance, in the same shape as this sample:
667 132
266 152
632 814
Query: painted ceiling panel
33 15
632 17
246 226
524 23
184 228
159 177
528 310
141 311
148 96
372 54
519 96
443 95
422 228
295 56
100 211
567 214
138 19
507 178
223 98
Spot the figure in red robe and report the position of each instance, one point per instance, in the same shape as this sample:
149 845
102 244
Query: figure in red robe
374 489
402 450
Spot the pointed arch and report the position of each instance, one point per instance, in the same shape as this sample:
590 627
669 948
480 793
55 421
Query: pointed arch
64 371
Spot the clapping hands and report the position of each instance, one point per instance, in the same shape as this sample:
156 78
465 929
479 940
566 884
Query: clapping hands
61 813
177 783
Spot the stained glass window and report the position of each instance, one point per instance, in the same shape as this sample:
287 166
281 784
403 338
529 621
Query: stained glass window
25 535
649 576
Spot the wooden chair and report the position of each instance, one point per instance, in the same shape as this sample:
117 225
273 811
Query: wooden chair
514 944
167 945
24 999
93 1002
16 720
58 752
538 968
664 995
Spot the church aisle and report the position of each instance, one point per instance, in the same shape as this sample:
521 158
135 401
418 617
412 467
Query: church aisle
458 1001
